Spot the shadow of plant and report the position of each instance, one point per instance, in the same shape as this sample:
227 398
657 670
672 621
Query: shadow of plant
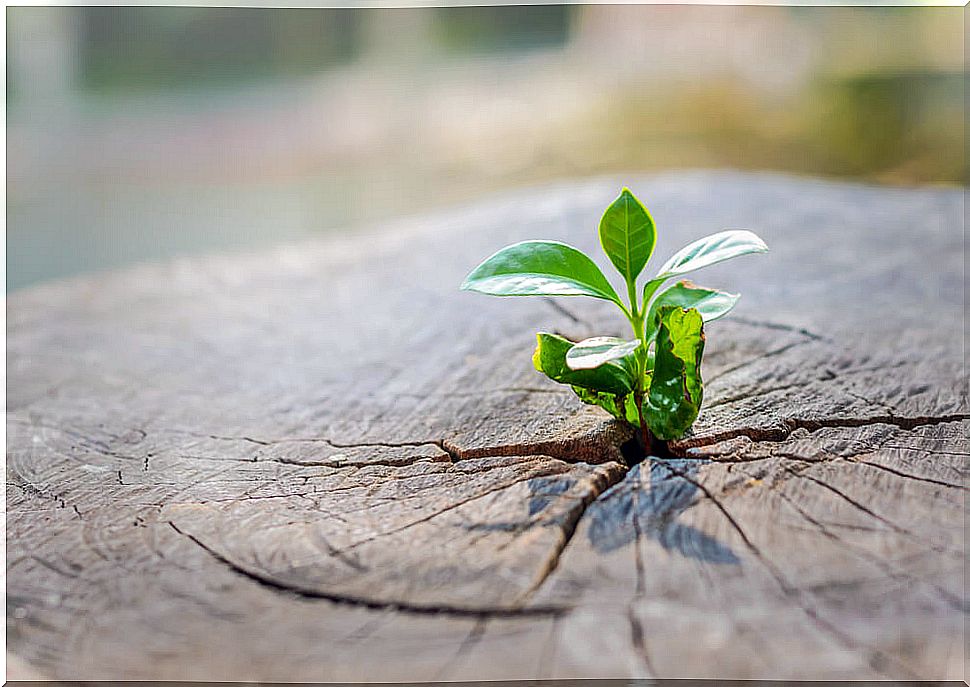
543 492
654 504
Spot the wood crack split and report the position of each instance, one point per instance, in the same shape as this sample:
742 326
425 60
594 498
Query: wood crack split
418 609
922 449
569 451
446 509
779 327
907 475
561 450
865 399
739 457
600 484
790 425
575 450
329 442
727 400
637 639
403 462
848 499
829 376
565 451
878 660
485 392
468 644
883 565
768 354
875 516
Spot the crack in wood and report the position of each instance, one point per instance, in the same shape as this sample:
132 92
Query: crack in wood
601 483
907 475
872 402
877 659
637 639
330 442
779 326
757 359
780 434
470 641
727 400
738 457
404 461
880 563
314 594
602 445
828 376
449 507
565 450
555 390
868 511
865 509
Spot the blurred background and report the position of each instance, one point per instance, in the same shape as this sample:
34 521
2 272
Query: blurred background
139 133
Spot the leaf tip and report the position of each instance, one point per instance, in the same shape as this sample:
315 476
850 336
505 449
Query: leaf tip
759 242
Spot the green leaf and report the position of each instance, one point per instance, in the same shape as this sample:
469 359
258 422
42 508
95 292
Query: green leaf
676 390
622 407
649 289
591 353
710 250
540 268
615 377
710 303
628 235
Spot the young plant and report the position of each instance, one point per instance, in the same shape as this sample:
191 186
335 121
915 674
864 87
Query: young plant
652 381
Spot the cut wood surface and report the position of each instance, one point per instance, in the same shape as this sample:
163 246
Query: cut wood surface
326 463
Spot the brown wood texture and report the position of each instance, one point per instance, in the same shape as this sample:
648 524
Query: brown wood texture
326 463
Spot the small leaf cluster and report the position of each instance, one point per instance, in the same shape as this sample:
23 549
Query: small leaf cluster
652 380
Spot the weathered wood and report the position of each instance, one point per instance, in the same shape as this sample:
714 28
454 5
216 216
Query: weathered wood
328 463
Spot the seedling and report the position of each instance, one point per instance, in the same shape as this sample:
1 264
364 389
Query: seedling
652 381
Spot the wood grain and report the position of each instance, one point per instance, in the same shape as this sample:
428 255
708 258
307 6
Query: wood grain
326 463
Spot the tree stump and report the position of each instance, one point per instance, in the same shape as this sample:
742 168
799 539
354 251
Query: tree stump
327 463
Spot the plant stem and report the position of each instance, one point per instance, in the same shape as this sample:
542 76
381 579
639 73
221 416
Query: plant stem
645 438
631 287
637 322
